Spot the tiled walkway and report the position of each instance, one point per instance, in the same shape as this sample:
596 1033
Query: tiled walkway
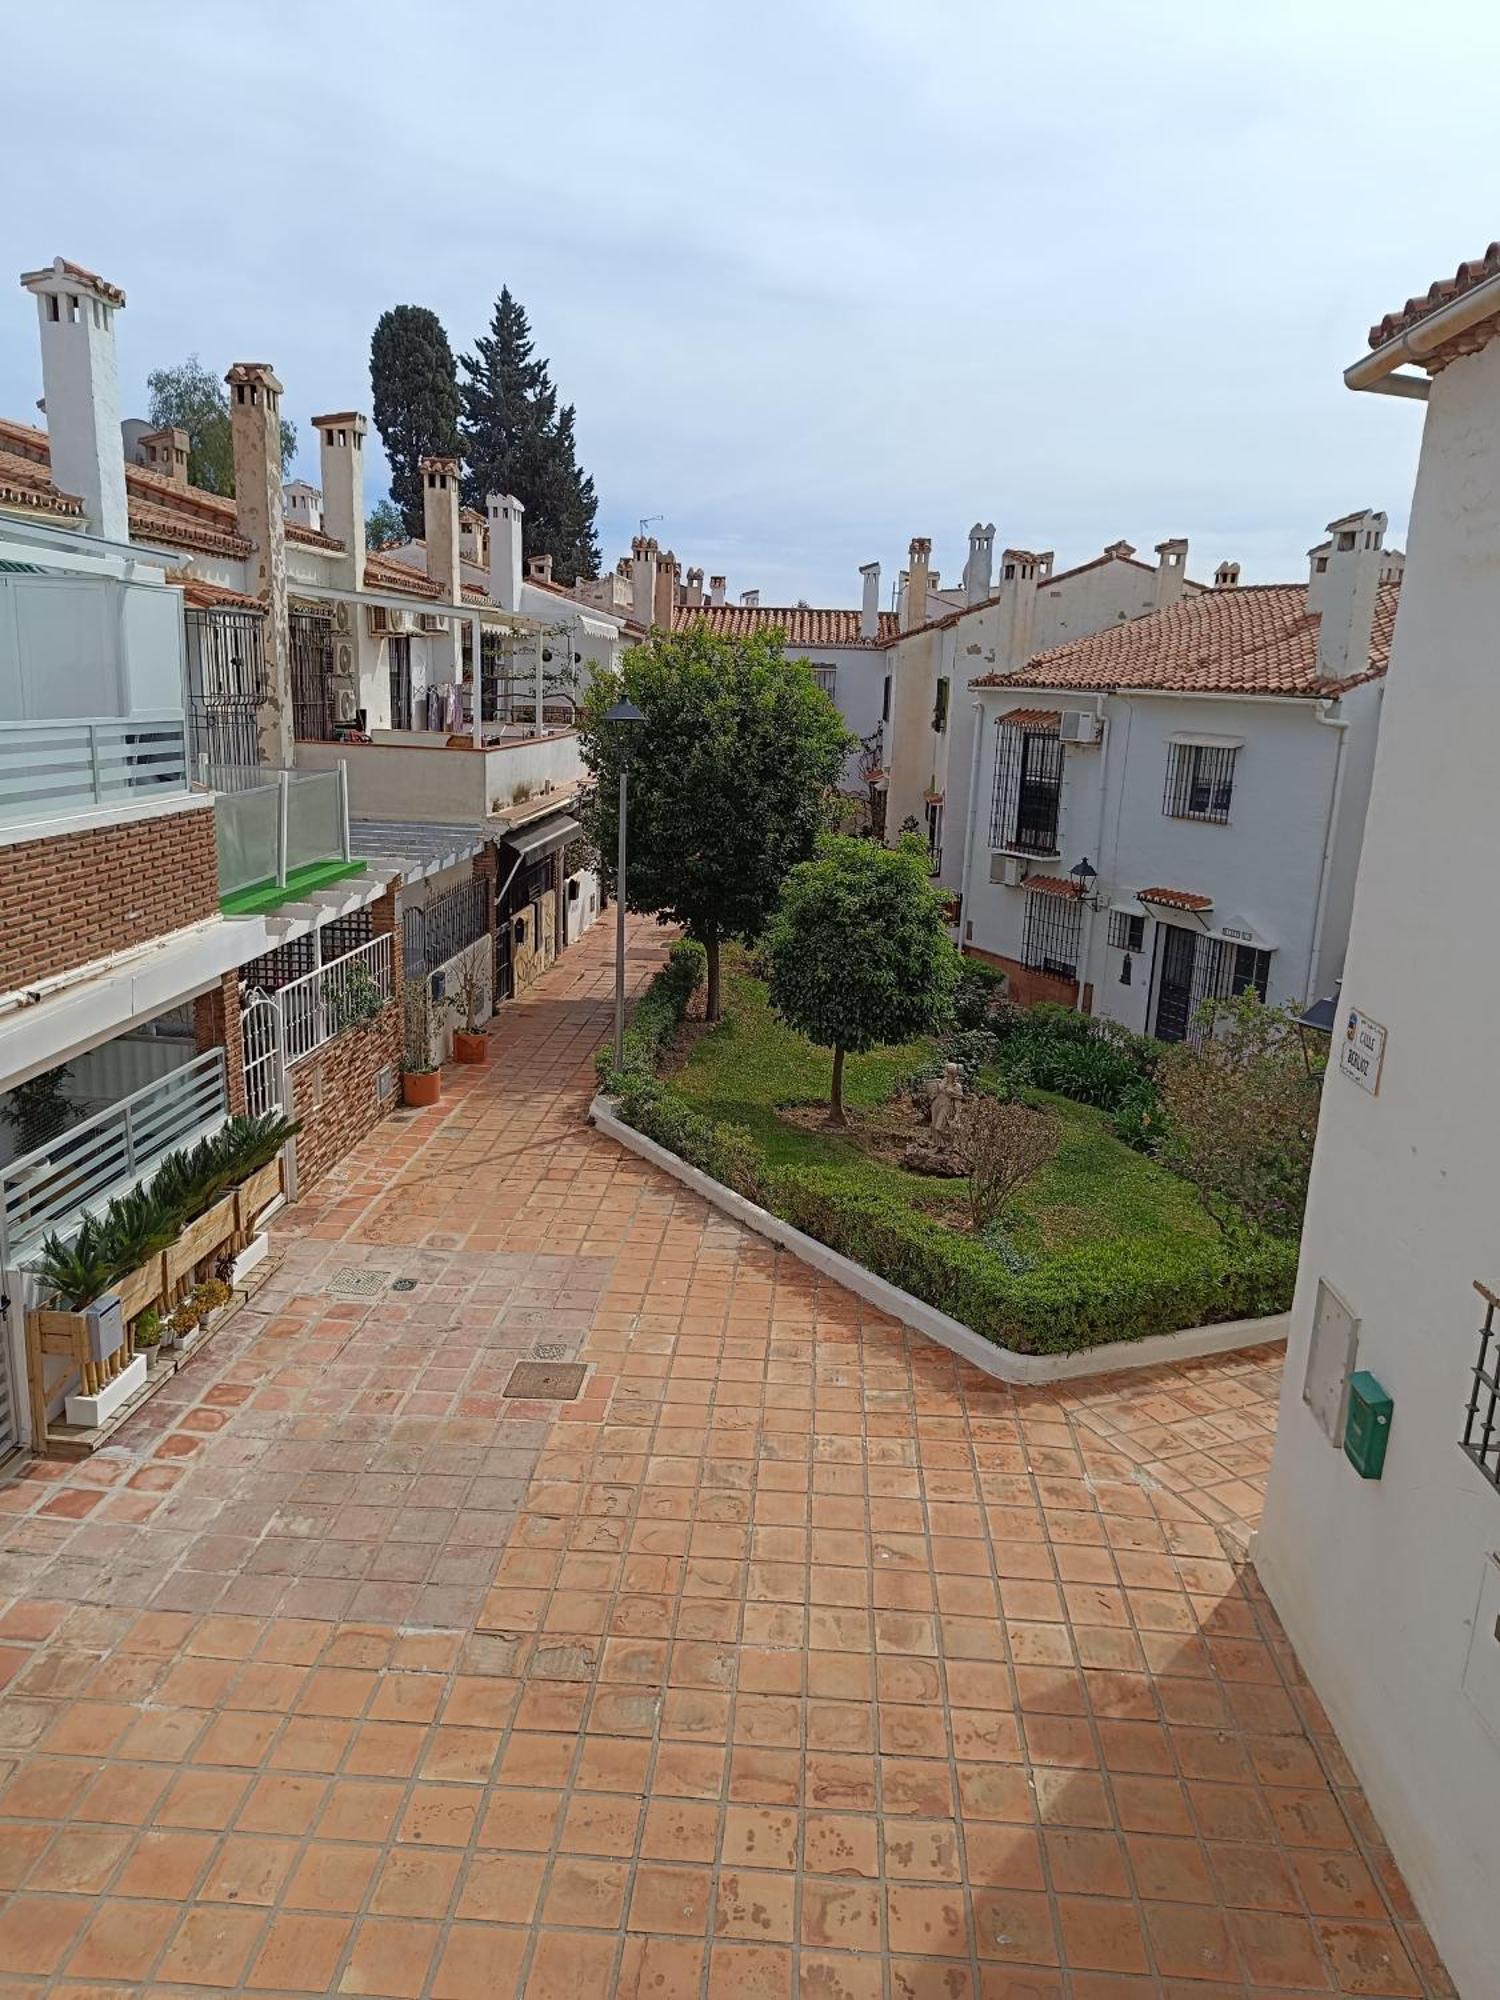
793 1657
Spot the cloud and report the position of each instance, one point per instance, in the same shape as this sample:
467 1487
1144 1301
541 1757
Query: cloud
817 278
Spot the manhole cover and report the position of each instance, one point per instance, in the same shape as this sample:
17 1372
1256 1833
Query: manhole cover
550 1350
357 1284
546 1381
404 1285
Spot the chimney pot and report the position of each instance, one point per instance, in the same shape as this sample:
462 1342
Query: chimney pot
1226 576
1171 572
506 516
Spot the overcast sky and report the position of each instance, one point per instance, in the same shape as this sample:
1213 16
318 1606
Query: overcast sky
819 277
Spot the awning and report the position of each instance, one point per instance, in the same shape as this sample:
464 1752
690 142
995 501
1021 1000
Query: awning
1176 899
1205 741
542 837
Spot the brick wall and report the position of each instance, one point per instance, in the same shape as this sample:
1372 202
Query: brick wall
216 1025
80 896
335 1092
1027 987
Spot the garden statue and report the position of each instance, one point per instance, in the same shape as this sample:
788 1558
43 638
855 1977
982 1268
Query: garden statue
947 1096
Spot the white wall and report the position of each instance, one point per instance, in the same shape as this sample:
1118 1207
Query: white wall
1262 867
1378 1583
403 781
1075 606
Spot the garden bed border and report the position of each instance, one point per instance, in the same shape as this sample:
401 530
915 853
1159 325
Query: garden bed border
1003 1363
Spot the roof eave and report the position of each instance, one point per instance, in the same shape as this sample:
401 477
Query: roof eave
1419 342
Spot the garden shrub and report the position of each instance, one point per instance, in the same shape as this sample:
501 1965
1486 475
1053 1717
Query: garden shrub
657 1015
979 989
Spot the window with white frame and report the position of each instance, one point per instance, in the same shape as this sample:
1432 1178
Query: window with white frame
1200 781
827 679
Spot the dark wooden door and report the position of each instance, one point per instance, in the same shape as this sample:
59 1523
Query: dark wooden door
1174 987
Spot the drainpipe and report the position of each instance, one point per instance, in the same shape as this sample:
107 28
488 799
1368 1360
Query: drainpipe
969 818
1330 835
1086 954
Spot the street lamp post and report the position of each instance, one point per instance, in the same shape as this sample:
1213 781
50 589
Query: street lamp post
627 719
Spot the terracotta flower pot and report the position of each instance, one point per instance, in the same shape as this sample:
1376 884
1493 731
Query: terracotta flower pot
421 1086
469 1048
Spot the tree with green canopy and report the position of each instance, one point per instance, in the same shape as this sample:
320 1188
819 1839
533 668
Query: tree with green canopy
414 384
193 399
516 440
384 524
858 954
731 775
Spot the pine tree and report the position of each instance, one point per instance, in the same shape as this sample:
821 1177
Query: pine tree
516 440
415 387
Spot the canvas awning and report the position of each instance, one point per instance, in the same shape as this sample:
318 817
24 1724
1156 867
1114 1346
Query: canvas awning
541 837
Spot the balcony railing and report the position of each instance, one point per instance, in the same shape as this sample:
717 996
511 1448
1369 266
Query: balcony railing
271 825
334 997
49 768
82 1167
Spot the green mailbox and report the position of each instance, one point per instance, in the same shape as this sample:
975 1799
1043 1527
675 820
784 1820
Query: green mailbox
1367 1426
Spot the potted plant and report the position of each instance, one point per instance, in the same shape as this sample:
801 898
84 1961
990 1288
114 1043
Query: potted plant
146 1337
421 1079
470 1044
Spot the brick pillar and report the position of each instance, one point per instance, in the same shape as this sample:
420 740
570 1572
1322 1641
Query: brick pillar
216 1025
487 871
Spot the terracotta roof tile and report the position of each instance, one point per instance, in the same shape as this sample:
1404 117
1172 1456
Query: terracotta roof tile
1032 718
201 596
24 483
1175 899
385 573
101 285
801 623
1256 639
1469 274
1050 885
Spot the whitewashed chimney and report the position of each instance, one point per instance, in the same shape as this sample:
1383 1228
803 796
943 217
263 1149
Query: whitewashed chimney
694 594
643 554
1226 576
869 610
473 537
1341 589
1015 613
341 466
918 578
81 390
979 567
1171 573
750 599
505 514
718 590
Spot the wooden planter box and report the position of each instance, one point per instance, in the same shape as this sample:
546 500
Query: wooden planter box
255 1194
140 1288
200 1239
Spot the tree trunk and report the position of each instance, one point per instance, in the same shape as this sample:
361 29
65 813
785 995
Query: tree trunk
711 997
836 1102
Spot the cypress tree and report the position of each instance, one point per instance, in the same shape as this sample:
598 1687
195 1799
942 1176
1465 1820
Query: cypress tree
516 440
415 386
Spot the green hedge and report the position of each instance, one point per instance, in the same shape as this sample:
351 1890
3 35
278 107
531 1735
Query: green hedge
657 1015
1078 1296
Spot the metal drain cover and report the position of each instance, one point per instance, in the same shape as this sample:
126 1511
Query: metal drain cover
546 1381
403 1285
549 1350
355 1283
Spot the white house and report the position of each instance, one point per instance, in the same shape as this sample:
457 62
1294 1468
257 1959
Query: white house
1172 808
1389 1586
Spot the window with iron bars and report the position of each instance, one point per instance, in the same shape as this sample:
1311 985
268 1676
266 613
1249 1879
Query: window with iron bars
449 924
827 679
1127 931
1200 782
1028 789
1050 940
226 675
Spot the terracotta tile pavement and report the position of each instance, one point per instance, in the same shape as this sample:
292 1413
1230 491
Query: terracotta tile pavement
794 1656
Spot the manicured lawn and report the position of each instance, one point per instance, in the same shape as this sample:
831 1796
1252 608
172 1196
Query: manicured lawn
1095 1190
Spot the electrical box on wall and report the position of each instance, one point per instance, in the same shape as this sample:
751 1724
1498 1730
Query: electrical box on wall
1367 1425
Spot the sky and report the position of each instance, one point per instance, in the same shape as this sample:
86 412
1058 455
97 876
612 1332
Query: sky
818 277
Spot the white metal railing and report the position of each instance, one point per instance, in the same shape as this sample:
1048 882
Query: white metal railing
271 823
70 766
333 997
109 1152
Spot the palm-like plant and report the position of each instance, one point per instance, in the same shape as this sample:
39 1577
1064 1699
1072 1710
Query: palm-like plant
136 1226
78 1271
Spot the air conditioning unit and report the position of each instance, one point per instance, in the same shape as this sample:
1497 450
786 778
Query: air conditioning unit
343 659
1078 725
342 618
1008 871
380 620
432 623
345 705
